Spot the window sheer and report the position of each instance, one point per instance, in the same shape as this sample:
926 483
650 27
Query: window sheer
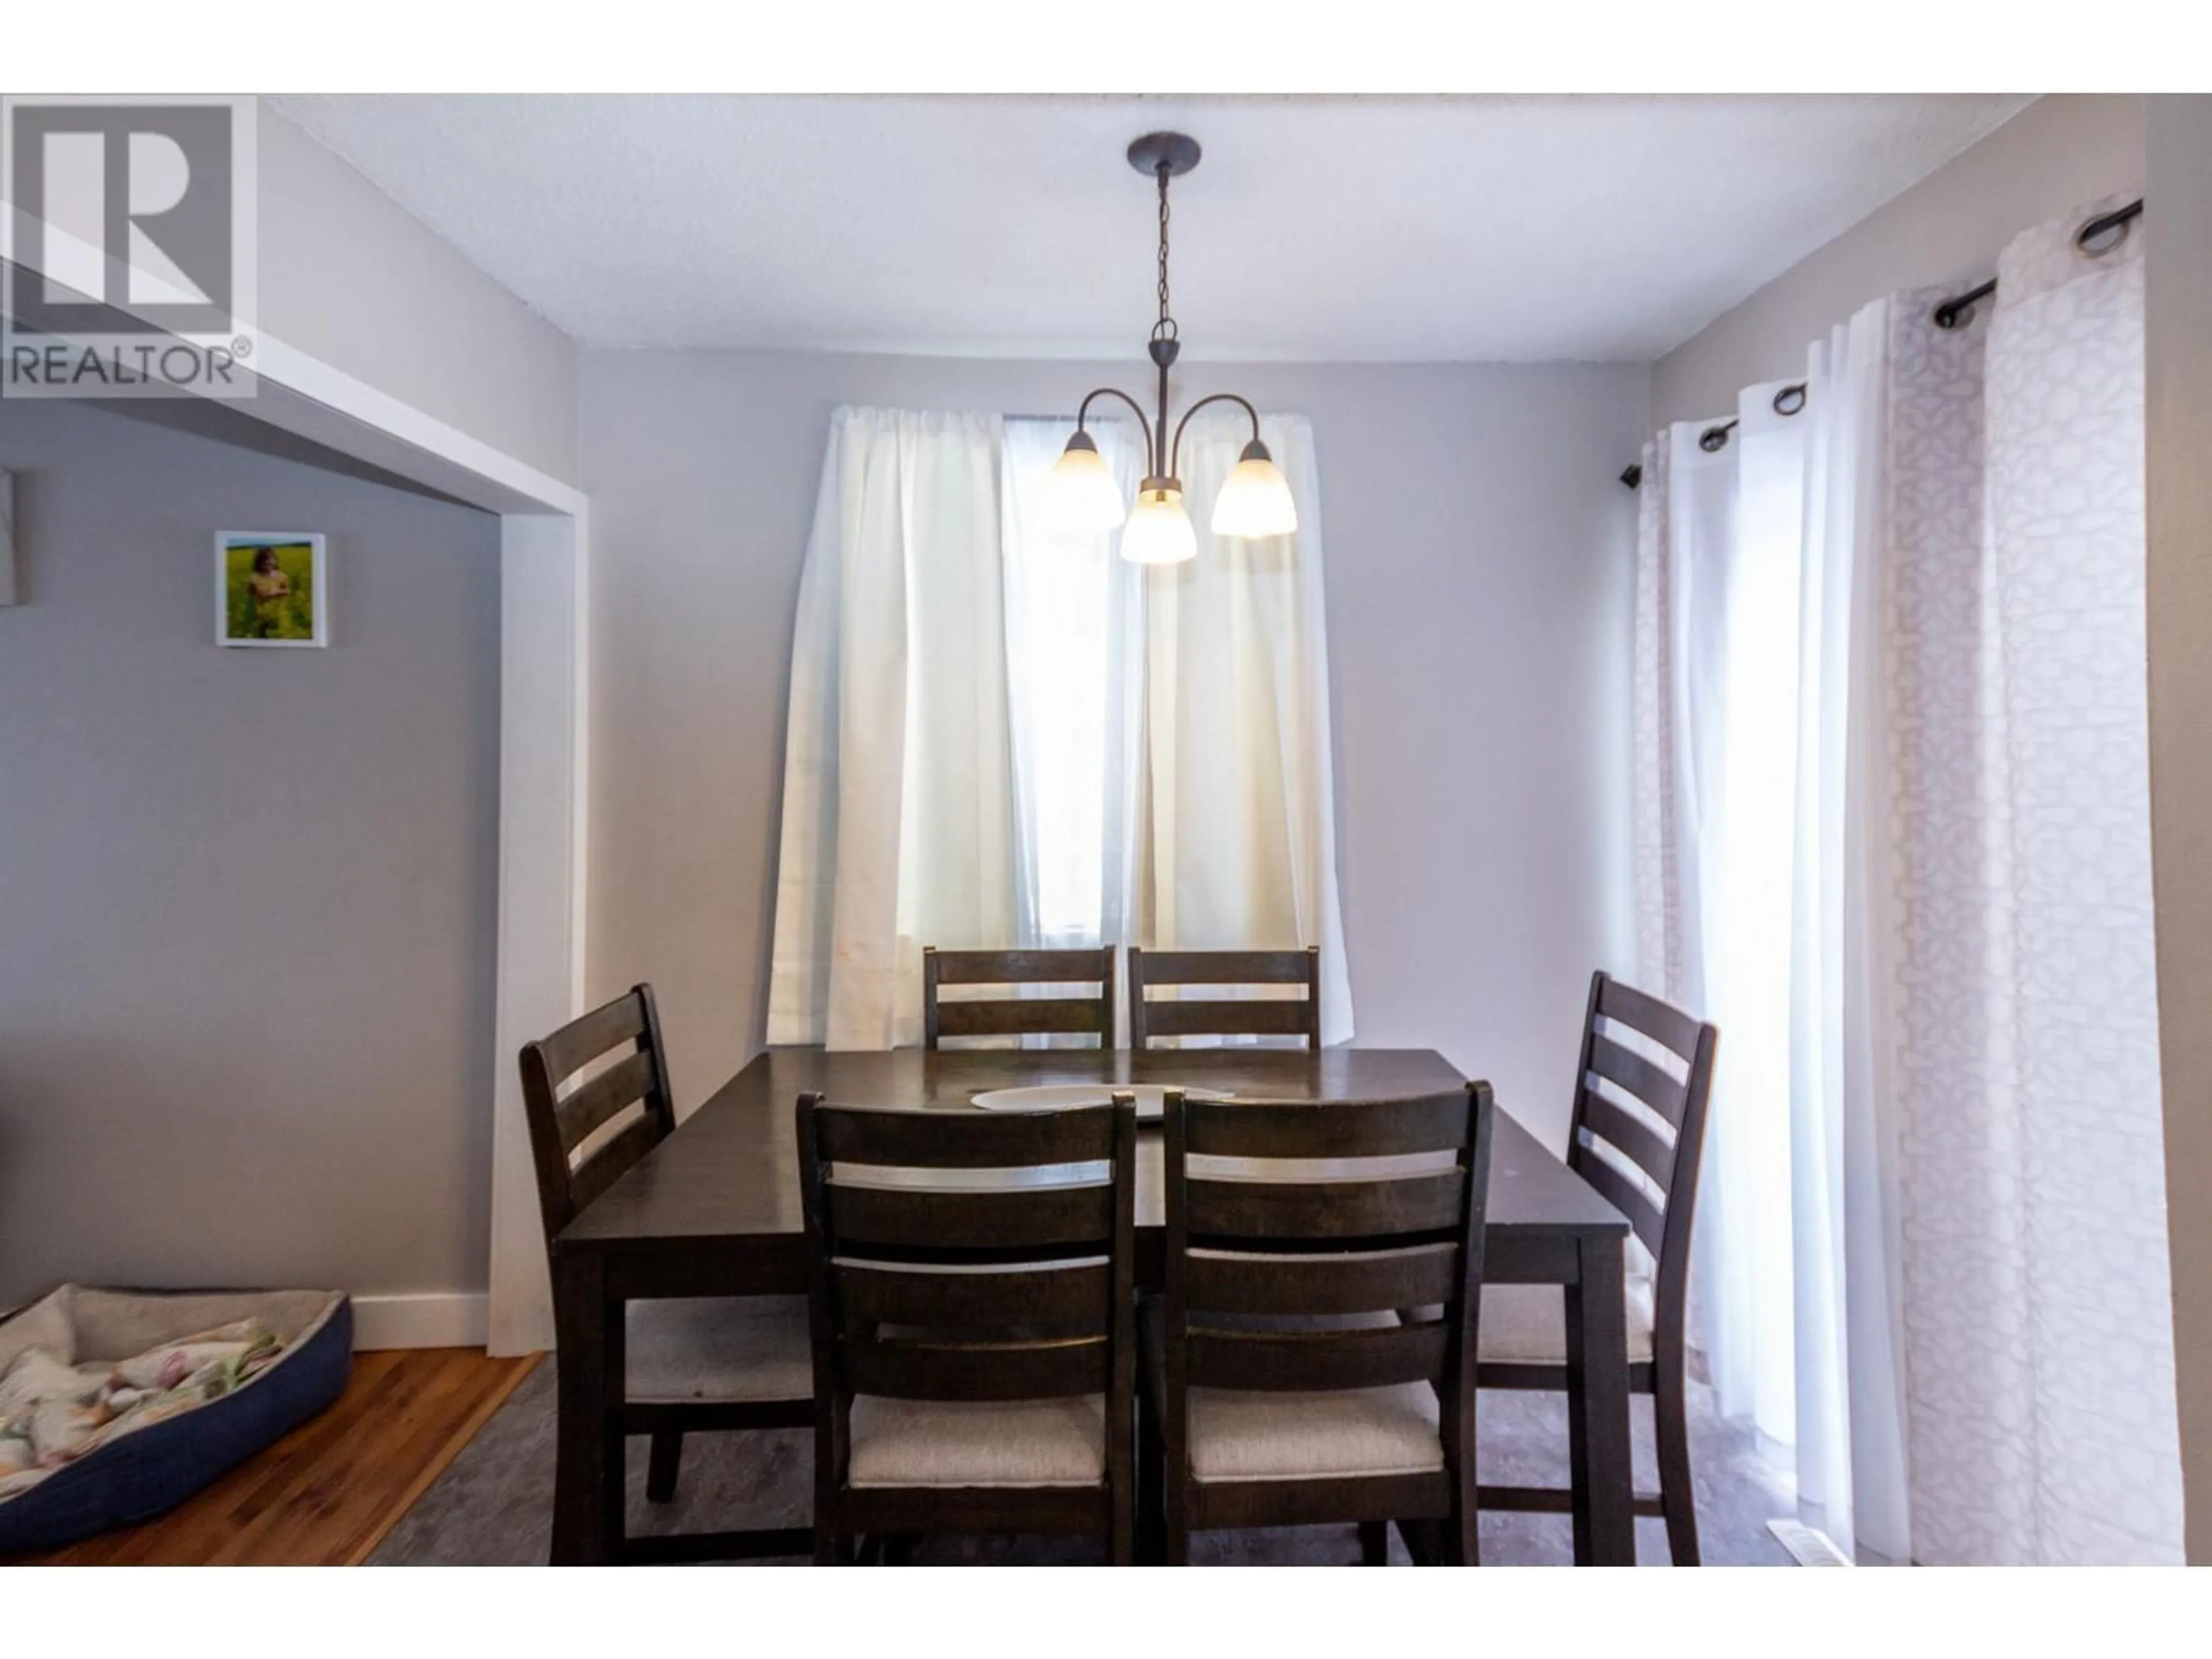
1002 736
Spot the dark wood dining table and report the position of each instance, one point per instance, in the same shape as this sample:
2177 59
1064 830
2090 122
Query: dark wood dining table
714 1210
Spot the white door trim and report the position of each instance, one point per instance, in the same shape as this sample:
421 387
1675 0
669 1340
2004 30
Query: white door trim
544 759
545 756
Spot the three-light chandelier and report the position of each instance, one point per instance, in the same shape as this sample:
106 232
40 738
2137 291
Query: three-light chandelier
1254 502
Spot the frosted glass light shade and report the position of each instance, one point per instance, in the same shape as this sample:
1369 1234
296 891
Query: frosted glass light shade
1159 531
1082 495
1257 499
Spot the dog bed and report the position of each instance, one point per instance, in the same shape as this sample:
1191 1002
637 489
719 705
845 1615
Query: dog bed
116 1405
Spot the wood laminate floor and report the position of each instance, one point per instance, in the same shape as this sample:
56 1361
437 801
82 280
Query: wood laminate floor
327 1492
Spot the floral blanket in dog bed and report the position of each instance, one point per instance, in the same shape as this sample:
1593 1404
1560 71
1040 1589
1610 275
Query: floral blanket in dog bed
116 1404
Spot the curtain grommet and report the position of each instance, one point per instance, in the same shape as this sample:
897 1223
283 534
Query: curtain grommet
2107 231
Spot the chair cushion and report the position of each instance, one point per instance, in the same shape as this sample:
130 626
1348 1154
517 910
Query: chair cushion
1238 1435
1527 1324
972 1443
697 1349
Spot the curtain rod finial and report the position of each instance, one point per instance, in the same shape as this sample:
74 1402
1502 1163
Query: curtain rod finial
1634 476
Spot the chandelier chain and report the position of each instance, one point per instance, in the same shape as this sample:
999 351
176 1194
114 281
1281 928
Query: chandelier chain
1165 328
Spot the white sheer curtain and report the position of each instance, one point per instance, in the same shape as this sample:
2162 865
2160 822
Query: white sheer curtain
1847 1248
1075 638
898 814
1728 569
1911 880
1003 736
1239 787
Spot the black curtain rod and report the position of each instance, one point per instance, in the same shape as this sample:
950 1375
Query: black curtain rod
1954 312
1957 311
1789 400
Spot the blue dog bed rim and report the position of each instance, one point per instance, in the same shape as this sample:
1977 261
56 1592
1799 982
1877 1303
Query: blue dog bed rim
139 1475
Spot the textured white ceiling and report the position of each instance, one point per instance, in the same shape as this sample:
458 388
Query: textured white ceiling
1316 229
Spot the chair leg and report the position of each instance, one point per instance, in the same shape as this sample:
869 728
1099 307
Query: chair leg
1373 1543
1427 1542
1152 1470
1175 1530
1462 1547
1678 1497
661 1465
1174 1497
1125 1473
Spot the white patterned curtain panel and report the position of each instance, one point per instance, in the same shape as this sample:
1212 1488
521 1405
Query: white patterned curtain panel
1956 1083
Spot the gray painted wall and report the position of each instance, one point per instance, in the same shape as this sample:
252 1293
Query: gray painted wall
2056 154
351 277
2178 347
1480 565
246 896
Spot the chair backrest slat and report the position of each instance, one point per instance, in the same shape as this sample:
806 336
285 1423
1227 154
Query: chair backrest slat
574 1156
614 1160
1018 1016
1667 1066
1632 1073
1245 1018
966 1141
1328 1210
1641 1011
1339 1209
1318 1360
1044 1217
1020 967
1061 1294
589 1107
587 1036
1295 1130
1017 1369
1647 1218
1223 1016
1312 1282
1001 1017
1636 1140
970 1255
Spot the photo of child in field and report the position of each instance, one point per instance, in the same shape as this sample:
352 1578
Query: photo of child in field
272 589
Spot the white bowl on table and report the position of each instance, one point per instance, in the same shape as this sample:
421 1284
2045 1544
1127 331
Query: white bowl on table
1151 1097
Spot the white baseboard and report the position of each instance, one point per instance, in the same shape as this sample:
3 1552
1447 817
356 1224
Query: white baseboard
432 1319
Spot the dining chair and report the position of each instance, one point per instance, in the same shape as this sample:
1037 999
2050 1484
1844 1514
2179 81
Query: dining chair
1642 1085
690 1365
972 1293
1016 1016
1225 1015
1283 1387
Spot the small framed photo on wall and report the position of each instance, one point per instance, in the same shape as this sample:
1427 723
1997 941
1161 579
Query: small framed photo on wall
270 588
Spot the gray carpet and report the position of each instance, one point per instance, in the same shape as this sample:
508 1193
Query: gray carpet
494 1506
